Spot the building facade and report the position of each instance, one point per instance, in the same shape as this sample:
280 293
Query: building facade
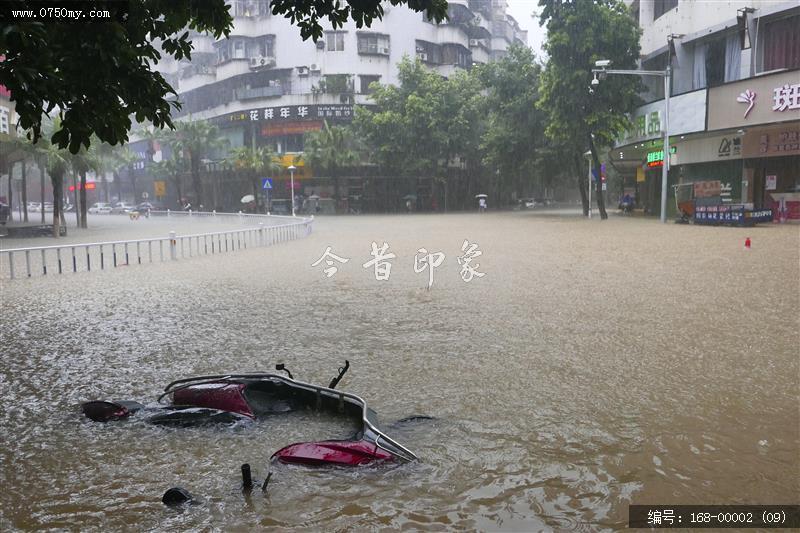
734 108
264 85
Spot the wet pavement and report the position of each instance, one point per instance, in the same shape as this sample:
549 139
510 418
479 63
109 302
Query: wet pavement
596 364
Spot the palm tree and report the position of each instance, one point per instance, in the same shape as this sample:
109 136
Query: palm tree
331 149
254 162
81 163
196 140
56 161
26 149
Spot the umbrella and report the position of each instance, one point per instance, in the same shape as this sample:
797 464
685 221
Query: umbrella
249 198
410 197
313 197
481 196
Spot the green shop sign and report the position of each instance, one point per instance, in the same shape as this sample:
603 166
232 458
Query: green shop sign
656 158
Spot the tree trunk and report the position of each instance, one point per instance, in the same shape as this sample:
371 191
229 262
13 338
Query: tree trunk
57 199
176 180
75 198
254 181
41 185
24 190
84 223
581 180
601 202
10 168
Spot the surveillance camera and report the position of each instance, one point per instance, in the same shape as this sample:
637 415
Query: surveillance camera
602 63
595 82
591 91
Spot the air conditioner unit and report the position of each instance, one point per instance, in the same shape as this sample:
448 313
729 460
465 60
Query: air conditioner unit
315 68
302 71
474 42
259 62
422 56
385 51
320 45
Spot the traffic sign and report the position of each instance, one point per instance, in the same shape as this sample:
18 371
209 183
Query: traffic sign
266 183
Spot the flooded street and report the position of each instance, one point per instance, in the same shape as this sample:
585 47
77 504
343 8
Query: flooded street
595 365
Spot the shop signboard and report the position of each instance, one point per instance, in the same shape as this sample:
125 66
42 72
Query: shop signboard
775 141
706 149
759 100
706 189
290 128
771 182
266 115
686 115
737 215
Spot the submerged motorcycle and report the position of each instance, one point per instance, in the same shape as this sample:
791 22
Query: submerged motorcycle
230 398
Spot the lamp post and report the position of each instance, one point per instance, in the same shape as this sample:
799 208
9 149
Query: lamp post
666 74
292 168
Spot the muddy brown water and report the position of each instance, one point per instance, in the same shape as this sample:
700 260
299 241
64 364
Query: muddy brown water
594 366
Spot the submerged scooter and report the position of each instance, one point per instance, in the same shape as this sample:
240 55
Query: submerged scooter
232 398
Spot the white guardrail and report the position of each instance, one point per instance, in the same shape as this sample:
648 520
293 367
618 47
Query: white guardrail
85 257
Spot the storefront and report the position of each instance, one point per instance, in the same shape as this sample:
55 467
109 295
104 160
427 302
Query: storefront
639 157
772 165
765 112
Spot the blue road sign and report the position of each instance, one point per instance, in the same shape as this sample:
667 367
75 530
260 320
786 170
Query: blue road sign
266 183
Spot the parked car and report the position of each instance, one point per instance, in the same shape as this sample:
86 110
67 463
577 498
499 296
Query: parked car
69 208
121 208
100 208
34 207
48 207
144 206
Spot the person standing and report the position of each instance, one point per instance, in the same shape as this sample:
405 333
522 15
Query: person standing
481 204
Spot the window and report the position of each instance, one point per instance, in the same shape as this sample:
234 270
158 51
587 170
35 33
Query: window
373 43
250 8
782 44
334 41
261 46
429 52
662 6
285 143
365 81
238 49
338 83
454 54
654 84
223 53
715 63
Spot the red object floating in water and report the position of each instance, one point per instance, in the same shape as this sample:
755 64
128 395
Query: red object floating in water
333 452
747 243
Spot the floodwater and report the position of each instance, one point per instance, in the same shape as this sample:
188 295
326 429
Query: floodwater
595 365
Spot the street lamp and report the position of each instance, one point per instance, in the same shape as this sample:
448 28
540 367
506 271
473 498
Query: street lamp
292 168
666 74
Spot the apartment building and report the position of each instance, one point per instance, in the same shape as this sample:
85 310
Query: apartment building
734 114
264 85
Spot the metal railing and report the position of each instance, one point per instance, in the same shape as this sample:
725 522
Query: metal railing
86 257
